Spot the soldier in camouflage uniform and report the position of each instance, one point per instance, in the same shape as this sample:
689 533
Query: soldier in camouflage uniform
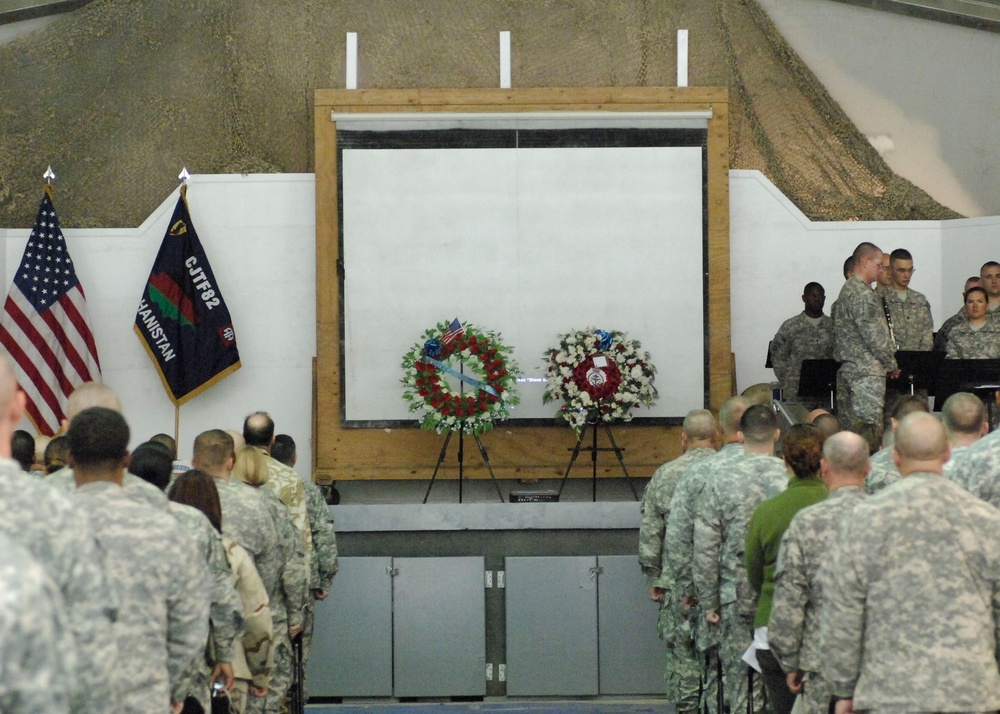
912 324
249 520
287 604
194 502
96 394
989 273
38 518
964 418
909 621
37 653
808 335
697 443
720 529
977 468
883 469
258 431
695 644
793 629
941 336
862 343
324 542
978 336
253 661
162 584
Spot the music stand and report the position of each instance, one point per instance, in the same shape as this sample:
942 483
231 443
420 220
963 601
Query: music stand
979 376
818 379
918 369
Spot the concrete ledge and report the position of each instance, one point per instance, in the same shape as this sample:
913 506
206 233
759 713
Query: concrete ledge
485 517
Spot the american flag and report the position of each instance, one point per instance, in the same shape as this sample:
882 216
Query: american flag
44 324
454 330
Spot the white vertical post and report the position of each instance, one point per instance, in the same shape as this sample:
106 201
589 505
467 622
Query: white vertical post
351 64
682 58
505 60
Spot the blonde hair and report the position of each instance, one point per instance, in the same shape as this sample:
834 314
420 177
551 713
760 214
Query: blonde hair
251 466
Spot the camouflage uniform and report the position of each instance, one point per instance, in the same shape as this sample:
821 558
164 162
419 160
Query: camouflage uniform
793 630
912 324
842 405
286 602
226 610
949 465
799 338
883 472
695 643
162 584
288 487
37 654
864 348
683 673
138 489
977 468
941 336
253 659
966 342
655 509
719 566
324 560
909 621
39 518
248 519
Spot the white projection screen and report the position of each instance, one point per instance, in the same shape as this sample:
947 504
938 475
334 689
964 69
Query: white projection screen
527 226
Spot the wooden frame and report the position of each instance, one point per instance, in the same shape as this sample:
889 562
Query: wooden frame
515 451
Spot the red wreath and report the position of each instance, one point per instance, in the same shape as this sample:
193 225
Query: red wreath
428 381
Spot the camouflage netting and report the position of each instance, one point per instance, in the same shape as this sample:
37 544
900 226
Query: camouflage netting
120 95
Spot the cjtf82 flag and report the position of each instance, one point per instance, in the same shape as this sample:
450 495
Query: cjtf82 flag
182 319
44 324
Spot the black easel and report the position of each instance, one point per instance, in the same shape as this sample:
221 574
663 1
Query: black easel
593 449
461 463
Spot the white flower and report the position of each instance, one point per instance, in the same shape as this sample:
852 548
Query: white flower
585 398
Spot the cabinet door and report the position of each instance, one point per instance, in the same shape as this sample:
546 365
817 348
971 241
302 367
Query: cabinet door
352 642
439 617
631 653
551 605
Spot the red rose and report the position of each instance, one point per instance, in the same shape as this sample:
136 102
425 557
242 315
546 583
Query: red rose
423 393
445 410
460 413
473 348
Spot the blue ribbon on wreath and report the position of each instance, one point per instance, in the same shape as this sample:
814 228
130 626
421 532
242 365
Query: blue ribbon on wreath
603 340
479 385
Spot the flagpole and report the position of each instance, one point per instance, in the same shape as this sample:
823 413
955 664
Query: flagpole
177 424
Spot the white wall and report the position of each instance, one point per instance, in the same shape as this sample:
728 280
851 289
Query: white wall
259 234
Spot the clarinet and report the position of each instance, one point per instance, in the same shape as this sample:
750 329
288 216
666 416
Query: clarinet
888 319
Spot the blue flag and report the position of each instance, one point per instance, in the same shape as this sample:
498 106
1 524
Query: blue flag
182 320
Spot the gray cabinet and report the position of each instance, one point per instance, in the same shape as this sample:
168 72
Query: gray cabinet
352 641
439 621
580 626
403 627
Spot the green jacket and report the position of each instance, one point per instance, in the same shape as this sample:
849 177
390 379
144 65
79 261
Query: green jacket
767 525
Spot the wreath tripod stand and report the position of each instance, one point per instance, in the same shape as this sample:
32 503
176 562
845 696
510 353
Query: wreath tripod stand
594 449
461 463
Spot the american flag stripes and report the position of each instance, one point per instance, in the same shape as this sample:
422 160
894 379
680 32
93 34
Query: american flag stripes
44 324
455 330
